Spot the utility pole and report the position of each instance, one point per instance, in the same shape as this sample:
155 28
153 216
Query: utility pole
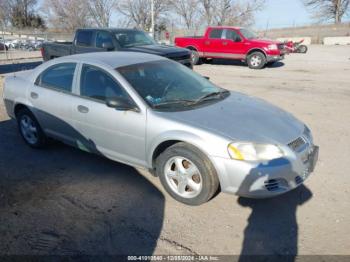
152 18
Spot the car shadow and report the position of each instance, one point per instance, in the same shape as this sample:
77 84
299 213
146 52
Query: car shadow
272 229
62 201
229 62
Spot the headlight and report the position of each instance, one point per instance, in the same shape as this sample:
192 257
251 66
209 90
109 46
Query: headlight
272 47
251 151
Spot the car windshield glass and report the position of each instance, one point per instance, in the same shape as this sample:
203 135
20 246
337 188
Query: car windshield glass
133 38
167 84
248 34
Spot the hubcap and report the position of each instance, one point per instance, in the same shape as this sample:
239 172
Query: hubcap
255 60
29 130
183 177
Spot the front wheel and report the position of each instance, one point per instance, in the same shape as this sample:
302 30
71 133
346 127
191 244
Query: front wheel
256 60
187 174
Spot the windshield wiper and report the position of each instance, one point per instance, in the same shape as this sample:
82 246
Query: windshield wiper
172 102
211 95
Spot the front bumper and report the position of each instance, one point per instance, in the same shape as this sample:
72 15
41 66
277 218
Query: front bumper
274 58
262 180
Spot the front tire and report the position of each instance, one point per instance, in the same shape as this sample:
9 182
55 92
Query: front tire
256 60
302 49
187 174
30 129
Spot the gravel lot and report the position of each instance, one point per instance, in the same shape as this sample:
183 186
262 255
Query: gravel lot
63 201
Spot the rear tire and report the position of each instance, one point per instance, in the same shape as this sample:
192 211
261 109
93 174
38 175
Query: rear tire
256 60
30 129
187 174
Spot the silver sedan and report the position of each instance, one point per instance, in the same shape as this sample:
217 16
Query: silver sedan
150 112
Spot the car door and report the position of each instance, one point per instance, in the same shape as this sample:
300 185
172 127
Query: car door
232 44
212 45
51 98
119 135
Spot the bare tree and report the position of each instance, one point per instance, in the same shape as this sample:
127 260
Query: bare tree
4 12
101 11
325 10
187 9
207 9
222 11
139 11
67 14
243 14
230 12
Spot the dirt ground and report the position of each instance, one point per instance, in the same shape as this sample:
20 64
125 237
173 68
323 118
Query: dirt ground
63 201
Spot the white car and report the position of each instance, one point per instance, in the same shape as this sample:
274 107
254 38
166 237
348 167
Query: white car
151 112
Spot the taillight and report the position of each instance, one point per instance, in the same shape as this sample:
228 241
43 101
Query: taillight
42 52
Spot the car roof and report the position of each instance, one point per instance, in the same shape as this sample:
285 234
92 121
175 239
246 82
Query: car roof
225 27
109 29
114 59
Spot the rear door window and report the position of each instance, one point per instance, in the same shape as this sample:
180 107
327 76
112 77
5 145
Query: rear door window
216 33
84 38
59 77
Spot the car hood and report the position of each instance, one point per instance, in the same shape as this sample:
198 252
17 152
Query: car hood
161 50
243 118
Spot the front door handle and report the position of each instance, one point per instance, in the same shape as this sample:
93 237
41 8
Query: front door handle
34 95
83 109
224 43
207 42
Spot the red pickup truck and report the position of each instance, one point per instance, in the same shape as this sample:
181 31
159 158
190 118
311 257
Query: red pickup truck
233 43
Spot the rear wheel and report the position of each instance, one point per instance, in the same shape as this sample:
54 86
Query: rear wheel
30 129
187 174
256 60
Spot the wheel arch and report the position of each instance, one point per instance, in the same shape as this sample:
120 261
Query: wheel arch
18 107
256 50
161 143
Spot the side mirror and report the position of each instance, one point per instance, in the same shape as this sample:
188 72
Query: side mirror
207 77
108 46
121 104
238 39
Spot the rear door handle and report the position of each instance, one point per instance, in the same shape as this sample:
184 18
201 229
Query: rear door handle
34 95
207 42
224 43
83 109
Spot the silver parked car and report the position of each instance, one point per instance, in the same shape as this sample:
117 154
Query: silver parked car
150 112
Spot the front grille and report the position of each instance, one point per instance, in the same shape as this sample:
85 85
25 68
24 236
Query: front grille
271 185
298 180
297 143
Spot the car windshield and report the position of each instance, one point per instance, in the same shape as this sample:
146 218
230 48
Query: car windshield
169 85
248 34
131 38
